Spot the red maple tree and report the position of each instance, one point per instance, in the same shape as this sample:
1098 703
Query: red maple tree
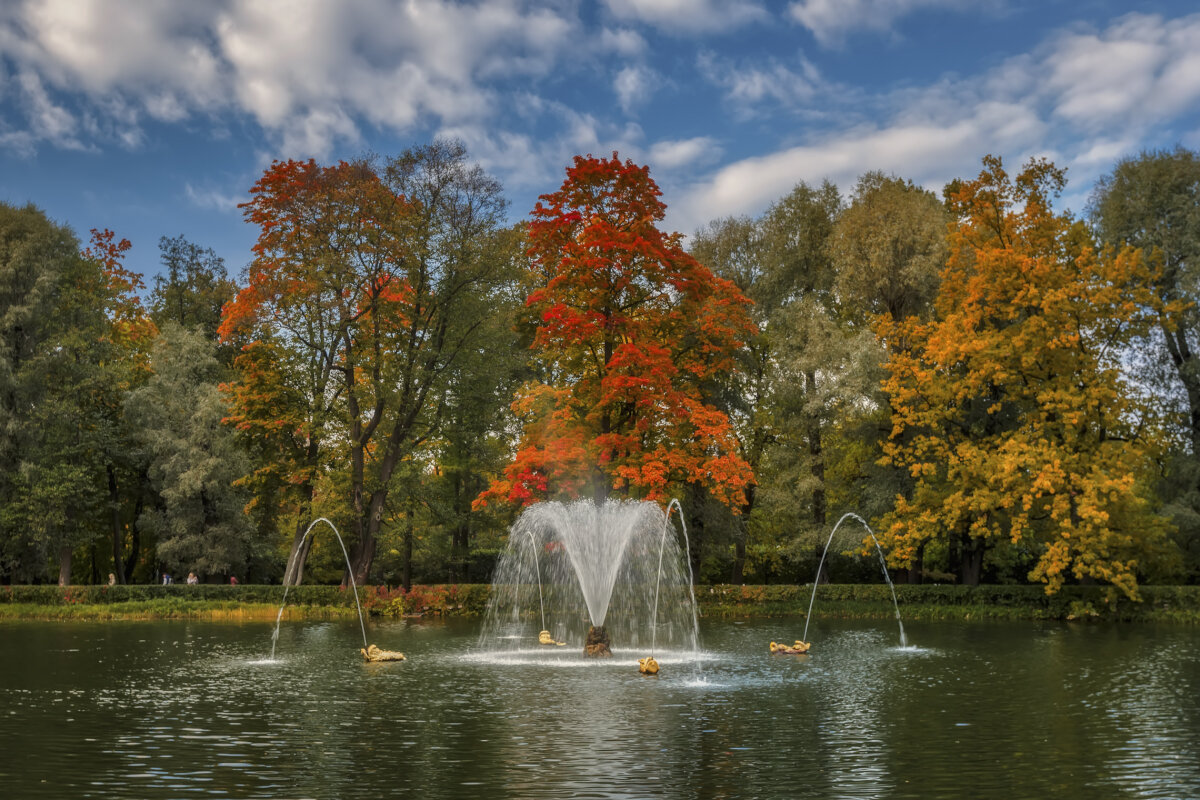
629 328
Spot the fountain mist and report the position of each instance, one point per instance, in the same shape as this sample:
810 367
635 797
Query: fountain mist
349 571
584 566
882 563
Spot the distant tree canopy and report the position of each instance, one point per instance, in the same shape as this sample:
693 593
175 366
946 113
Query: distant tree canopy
1006 393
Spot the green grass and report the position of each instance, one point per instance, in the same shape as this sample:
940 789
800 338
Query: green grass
167 609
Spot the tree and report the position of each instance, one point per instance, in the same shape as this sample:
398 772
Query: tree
193 288
70 328
887 250
194 458
780 261
122 363
628 325
1009 407
1152 202
474 434
370 277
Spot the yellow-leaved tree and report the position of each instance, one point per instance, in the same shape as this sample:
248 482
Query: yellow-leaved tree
1009 405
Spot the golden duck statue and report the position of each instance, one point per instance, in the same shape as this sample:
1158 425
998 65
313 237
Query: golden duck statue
545 638
648 666
373 653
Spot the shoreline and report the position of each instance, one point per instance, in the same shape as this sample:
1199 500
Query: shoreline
1172 604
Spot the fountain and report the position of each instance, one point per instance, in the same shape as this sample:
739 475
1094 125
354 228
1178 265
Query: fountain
882 562
350 572
603 578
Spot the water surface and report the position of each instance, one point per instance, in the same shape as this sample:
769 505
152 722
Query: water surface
190 709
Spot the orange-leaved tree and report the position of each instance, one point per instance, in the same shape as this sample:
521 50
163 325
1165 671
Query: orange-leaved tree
1009 406
368 281
628 328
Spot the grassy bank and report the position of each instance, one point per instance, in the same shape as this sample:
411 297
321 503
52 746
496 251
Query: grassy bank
926 602
229 610
933 602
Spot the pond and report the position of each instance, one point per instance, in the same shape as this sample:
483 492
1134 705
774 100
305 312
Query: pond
980 710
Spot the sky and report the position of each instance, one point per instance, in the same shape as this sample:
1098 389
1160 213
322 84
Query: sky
154 117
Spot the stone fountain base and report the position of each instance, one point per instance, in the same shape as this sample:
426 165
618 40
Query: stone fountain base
597 644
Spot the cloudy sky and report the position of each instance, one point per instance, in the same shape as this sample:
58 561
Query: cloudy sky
153 117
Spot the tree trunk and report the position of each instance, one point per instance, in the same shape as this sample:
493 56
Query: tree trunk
362 556
408 549
695 527
301 544
135 540
741 534
118 535
64 565
970 566
460 534
917 570
817 463
363 551
366 525
1181 356
298 556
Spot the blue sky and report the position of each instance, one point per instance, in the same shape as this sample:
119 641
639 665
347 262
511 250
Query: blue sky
154 117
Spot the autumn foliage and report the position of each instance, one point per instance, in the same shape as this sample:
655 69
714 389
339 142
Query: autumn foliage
1009 407
628 328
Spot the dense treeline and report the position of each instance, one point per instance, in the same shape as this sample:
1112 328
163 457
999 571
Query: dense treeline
1007 393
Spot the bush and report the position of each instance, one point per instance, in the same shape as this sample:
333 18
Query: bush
930 601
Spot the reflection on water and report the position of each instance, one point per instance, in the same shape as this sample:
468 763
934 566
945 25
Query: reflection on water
193 709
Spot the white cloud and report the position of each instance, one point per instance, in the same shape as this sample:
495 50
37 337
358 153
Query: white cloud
1083 98
1140 70
633 86
622 41
747 85
47 120
689 16
213 198
676 153
98 46
831 20
525 163
309 73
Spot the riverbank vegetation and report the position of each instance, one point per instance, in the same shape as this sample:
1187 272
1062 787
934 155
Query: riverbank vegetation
924 602
1006 392
721 601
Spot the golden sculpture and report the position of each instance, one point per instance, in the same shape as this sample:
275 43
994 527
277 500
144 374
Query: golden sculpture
797 649
545 638
373 653
598 643
648 666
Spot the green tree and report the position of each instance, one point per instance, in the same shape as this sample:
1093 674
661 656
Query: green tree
192 288
780 261
474 433
194 459
887 249
1152 201
35 254
71 327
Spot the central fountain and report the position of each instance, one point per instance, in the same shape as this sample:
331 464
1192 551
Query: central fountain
601 578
